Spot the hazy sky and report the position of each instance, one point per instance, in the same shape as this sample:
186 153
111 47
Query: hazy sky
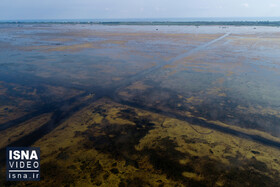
94 9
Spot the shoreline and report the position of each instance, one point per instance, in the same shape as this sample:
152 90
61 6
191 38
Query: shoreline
157 23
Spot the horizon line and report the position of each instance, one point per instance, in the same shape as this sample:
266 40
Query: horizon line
155 18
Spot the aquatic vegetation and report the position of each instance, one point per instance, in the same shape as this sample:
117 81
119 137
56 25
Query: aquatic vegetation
135 105
152 148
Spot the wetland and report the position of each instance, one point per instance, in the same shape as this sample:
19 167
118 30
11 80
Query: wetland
142 105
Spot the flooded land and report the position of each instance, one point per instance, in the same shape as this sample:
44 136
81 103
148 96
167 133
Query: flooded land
129 105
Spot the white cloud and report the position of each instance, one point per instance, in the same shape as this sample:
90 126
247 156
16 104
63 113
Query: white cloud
245 5
272 5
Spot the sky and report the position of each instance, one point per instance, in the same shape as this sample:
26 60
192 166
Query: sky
117 9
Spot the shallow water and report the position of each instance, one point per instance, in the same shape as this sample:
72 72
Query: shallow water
223 79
